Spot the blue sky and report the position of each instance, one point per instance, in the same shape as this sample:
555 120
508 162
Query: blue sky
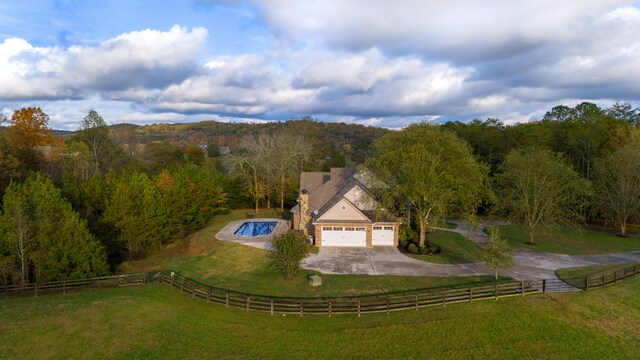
372 62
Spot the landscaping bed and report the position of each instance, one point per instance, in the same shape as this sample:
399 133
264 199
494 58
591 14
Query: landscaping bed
446 247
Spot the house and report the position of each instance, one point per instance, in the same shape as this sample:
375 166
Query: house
338 209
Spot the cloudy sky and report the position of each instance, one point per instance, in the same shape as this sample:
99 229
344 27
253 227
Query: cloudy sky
382 63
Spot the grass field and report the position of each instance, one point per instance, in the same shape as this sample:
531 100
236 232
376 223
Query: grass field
456 249
155 322
243 268
575 276
569 241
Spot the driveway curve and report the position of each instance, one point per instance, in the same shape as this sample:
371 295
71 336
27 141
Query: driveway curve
529 264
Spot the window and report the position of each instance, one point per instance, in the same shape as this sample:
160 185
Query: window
388 228
343 207
337 228
349 229
326 228
360 229
377 228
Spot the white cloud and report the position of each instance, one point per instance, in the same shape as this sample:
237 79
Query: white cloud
148 58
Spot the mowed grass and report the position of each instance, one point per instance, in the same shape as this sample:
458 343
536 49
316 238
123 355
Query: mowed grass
569 241
155 322
575 276
246 269
456 249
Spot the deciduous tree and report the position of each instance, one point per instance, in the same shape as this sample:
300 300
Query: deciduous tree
497 254
617 185
538 187
432 169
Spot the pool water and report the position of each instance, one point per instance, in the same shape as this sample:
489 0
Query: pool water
256 228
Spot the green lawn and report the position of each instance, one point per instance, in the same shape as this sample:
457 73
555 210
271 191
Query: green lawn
569 241
456 249
243 268
575 276
155 322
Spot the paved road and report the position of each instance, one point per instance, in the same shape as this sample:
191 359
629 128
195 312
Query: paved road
530 265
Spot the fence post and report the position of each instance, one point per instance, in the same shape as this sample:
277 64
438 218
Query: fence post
470 294
387 305
522 288
586 283
603 280
144 279
615 277
193 292
91 284
301 308
226 300
495 288
208 295
358 308
634 269
64 287
271 306
544 286
248 300
35 288
329 308
444 298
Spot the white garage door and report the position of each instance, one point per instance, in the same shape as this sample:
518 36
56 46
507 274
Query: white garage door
344 236
382 235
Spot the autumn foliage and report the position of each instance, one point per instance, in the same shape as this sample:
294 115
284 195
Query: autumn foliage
29 128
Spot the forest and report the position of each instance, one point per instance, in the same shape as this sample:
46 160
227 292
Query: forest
78 204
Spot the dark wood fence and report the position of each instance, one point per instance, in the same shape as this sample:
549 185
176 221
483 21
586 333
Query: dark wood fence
63 287
609 278
375 303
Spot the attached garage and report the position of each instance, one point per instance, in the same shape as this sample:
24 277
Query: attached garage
344 236
382 236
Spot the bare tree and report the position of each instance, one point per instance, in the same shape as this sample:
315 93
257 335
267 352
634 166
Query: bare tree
248 159
289 149
20 228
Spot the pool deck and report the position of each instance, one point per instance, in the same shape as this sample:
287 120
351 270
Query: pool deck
260 242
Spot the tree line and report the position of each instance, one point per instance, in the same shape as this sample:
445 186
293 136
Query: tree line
77 207
578 164
110 197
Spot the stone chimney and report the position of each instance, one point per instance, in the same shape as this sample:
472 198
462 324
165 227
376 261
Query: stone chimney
304 212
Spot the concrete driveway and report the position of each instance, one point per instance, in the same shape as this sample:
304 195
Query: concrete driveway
383 261
529 264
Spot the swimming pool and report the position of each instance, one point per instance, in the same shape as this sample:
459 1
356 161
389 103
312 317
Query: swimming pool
256 228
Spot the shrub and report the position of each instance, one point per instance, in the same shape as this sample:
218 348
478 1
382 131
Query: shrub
403 243
288 249
437 249
423 250
407 234
413 249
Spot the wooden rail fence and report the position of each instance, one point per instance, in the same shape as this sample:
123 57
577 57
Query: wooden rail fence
357 305
610 278
65 286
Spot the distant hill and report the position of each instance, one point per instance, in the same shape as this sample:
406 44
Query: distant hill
328 139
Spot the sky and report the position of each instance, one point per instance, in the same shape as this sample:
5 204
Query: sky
371 62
